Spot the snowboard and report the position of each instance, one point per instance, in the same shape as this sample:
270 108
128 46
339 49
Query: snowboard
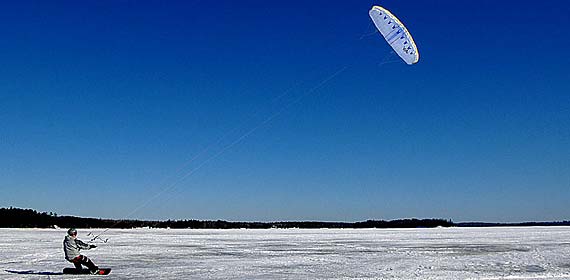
102 271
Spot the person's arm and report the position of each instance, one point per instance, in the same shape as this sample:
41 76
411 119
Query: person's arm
82 245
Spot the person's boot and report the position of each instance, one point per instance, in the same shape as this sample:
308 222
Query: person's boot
95 270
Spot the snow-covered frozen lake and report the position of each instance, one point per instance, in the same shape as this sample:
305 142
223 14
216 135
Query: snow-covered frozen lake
440 253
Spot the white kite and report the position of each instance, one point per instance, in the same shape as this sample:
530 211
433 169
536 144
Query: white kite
395 34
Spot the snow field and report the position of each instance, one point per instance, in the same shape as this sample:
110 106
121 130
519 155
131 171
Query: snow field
439 253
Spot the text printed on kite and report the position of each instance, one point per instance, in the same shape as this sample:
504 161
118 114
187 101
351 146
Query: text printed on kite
395 34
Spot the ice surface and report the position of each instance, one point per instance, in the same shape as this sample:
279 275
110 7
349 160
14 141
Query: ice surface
440 253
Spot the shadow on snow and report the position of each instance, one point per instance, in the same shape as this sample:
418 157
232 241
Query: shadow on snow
34 272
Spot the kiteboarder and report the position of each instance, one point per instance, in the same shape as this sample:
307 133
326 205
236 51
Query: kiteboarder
72 246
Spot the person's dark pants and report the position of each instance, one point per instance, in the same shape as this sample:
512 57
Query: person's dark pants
83 260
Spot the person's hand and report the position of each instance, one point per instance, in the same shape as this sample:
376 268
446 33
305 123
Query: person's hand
92 246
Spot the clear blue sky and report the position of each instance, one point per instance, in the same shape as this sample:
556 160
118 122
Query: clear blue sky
104 105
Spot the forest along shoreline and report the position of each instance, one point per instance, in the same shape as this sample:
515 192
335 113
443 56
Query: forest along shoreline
28 218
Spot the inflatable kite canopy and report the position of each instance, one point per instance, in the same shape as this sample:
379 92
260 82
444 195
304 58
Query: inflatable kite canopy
396 34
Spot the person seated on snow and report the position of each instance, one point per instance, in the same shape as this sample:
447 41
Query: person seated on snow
72 246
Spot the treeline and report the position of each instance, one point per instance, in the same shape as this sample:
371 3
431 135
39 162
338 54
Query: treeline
28 218
407 223
523 224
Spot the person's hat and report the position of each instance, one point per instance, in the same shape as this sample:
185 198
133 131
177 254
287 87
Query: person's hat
71 231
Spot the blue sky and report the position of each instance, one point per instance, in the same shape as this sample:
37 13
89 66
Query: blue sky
264 110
